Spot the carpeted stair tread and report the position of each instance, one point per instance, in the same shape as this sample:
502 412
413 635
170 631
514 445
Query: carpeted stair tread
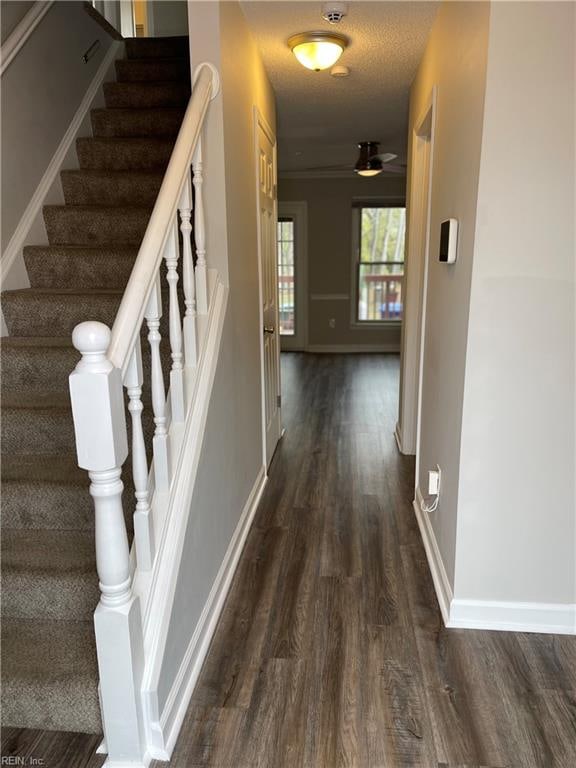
124 154
118 188
95 224
157 47
137 123
143 95
50 675
36 422
48 574
51 493
68 266
150 70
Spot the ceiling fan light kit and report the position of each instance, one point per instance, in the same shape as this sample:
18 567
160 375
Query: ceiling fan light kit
369 162
317 50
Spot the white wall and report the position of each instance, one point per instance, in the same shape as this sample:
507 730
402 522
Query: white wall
454 62
329 226
231 457
516 507
41 91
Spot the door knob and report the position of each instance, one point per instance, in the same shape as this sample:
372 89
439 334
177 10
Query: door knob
268 329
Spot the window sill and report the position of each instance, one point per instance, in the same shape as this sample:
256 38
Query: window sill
359 325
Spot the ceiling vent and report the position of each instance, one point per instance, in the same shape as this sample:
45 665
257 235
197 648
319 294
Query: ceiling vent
334 12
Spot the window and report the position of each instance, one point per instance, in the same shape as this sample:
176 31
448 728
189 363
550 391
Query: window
380 264
286 276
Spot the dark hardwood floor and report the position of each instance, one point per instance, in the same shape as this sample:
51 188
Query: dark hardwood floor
330 652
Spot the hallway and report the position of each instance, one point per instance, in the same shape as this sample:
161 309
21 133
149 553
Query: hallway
331 650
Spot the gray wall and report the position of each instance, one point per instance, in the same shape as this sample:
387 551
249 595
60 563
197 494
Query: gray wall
329 225
455 62
516 504
11 13
232 454
168 17
41 91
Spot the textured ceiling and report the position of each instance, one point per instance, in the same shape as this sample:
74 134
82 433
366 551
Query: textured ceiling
320 117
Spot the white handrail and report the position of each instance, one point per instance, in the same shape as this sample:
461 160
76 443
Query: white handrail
130 314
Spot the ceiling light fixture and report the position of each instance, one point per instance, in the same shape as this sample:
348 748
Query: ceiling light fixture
368 163
317 50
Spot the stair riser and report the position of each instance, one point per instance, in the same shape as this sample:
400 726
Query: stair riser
50 707
46 315
41 370
27 595
49 431
61 271
136 123
145 95
150 70
69 226
157 47
93 187
124 154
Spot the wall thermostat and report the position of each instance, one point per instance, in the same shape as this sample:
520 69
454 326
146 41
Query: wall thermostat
448 241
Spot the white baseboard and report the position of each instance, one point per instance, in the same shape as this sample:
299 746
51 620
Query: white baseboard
435 563
352 348
547 618
181 691
34 208
506 616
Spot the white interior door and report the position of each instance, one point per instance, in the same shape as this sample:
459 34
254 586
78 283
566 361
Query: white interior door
266 170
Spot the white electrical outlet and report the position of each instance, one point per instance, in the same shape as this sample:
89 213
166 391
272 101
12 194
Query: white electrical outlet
434 481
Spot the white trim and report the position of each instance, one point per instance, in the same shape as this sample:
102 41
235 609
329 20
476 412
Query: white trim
398 438
439 576
329 296
508 616
183 686
331 174
549 618
21 32
34 207
260 122
352 348
298 212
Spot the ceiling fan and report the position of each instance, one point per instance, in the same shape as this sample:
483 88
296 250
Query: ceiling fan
370 162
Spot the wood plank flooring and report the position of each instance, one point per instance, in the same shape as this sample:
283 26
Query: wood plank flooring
330 652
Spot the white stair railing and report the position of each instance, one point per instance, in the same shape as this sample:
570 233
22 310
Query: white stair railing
111 360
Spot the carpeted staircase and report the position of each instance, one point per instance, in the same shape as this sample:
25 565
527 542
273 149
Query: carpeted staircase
49 581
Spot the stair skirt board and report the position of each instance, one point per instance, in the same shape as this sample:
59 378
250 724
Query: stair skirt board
505 616
164 732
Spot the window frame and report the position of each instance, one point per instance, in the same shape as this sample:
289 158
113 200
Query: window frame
356 213
284 218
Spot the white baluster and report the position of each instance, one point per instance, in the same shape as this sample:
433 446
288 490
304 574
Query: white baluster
102 446
200 233
177 370
160 441
143 525
185 207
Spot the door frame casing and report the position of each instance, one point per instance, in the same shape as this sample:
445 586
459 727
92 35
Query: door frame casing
260 122
298 211
416 269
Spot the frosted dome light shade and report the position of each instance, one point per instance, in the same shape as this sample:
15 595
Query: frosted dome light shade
317 50
369 173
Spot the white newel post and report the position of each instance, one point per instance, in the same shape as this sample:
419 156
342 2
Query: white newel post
102 447
143 525
188 277
199 233
171 252
160 441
